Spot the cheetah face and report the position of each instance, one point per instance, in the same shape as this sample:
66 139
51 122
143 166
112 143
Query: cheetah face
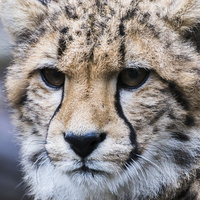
105 96
89 122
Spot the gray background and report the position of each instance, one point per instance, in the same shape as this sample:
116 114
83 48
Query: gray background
10 175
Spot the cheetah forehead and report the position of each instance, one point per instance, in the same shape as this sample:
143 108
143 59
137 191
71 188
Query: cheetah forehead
109 33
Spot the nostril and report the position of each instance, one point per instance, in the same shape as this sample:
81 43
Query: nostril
102 137
99 139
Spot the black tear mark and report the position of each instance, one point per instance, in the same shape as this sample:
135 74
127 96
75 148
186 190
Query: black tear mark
56 111
62 46
178 96
180 136
118 107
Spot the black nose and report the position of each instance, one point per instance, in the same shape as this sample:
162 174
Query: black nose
86 144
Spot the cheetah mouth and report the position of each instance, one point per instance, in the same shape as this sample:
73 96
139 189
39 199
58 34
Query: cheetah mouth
84 170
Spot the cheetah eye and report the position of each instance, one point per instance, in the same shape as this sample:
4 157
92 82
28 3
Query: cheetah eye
133 78
52 77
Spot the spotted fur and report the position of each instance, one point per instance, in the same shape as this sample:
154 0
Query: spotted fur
149 136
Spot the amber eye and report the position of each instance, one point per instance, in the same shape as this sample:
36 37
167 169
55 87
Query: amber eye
52 77
133 78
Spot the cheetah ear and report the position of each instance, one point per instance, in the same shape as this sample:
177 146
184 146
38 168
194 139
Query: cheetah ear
184 16
21 16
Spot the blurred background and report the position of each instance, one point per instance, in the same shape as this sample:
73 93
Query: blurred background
10 175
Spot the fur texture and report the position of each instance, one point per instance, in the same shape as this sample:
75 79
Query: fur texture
148 136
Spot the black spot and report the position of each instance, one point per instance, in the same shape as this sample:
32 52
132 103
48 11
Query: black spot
168 44
62 46
23 99
28 36
98 3
64 30
130 14
189 121
171 116
182 158
34 131
180 136
144 18
196 70
155 129
171 127
193 35
152 28
178 96
198 174
78 33
118 107
157 117
122 52
91 54
70 38
70 12
24 36
88 37
121 29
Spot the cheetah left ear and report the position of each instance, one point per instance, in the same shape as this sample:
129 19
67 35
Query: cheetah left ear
20 17
184 16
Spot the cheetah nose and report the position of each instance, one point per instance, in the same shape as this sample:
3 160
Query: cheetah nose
84 145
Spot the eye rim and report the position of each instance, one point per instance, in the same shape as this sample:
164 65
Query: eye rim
42 74
122 85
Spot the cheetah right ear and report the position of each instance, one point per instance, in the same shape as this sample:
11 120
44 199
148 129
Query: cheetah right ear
22 16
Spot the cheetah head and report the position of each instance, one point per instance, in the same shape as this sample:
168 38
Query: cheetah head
105 97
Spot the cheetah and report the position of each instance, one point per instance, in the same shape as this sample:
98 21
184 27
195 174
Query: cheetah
105 97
